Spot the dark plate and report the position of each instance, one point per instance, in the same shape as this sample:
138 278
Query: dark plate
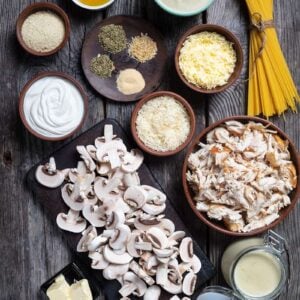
152 70
51 200
72 272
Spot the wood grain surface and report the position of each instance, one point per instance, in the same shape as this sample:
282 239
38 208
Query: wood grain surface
32 249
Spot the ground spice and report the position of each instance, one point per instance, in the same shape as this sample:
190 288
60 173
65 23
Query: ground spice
102 65
142 48
43 31
112 38
130 81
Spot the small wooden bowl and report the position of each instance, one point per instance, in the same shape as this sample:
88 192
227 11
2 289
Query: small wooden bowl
230 37
90 7
54 74
150 97
219 226
42 6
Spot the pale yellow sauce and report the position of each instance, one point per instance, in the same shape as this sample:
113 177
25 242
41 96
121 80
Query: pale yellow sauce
185 5
257 274
94 2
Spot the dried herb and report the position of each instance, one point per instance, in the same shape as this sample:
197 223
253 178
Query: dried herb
112 38
102 65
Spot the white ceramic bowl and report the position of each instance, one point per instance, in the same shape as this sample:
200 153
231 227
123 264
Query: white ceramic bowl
89 7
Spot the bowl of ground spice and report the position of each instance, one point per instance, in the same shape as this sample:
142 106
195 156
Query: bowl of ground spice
42 29
163 123
208 58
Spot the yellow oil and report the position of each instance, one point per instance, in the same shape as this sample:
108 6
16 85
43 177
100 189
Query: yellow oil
94 2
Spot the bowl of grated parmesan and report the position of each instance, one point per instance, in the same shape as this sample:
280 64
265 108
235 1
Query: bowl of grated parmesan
42 28
163 123
208 58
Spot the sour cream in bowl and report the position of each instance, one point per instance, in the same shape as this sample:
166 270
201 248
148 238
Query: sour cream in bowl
53 106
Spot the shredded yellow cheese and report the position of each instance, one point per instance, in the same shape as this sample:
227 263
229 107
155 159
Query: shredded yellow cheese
163 124
207 59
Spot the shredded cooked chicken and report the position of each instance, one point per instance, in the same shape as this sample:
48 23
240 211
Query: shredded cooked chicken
242 176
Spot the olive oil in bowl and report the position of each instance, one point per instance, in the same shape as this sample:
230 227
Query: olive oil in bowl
94 2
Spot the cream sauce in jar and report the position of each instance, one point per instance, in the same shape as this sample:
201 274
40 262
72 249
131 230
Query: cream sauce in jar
53 106
185 5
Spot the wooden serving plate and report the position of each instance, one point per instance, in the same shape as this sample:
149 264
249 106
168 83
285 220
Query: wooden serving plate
152 70
67 157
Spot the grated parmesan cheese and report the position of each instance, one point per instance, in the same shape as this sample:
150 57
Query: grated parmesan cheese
207 59
163 124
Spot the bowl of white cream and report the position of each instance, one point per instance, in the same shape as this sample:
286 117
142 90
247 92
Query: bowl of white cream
184 8
53 106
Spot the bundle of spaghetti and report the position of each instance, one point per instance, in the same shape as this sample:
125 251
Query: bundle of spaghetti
271 89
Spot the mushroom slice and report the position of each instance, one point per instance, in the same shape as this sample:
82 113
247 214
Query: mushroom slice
115 218
189 283
186 249
157 237
48 175
111 152
111 256
80 172
175 298
98 261
135 197
132 161
130 179
134 266
167 226
196 264
131 249
97 243
144 222
87 236
71 221
94 215
153 293
154 195
85 156
149 263
119 239
163 253
113 271
175 237
107 188
91 149
132 285
103 169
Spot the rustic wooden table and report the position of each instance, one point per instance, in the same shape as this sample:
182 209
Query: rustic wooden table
32 249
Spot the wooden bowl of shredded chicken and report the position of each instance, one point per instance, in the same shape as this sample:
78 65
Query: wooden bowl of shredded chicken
241 176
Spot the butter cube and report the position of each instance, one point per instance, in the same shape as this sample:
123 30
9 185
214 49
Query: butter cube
59 290
80 290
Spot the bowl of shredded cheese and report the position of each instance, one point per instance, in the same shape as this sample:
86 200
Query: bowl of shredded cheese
43 29
163 123
208 58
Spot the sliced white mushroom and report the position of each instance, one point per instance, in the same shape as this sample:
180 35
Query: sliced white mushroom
48 176
149 264
111 152
119 239
113 271
80 172
97 242
186 249
175 298
130 179
114 258
134 266
132 285
71 221
115 218
95 215
196 264
135 197
145 222
98 261
163 253
85 156
167 226
175 237
132 161
157 237
189 283
133 239
91 149
153 293
107 189
87 236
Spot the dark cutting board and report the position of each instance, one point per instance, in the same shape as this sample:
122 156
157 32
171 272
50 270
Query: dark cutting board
67 157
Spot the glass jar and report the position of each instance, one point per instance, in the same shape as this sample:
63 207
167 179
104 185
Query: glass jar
216 293
257 269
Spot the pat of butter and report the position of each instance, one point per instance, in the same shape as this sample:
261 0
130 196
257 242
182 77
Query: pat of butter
59 290
80 290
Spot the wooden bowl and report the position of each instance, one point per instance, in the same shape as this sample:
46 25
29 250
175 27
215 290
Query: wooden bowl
42 6
219 226
150 97
230 37
54 74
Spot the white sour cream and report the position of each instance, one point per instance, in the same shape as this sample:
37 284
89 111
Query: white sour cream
53 107
185 5
257 274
